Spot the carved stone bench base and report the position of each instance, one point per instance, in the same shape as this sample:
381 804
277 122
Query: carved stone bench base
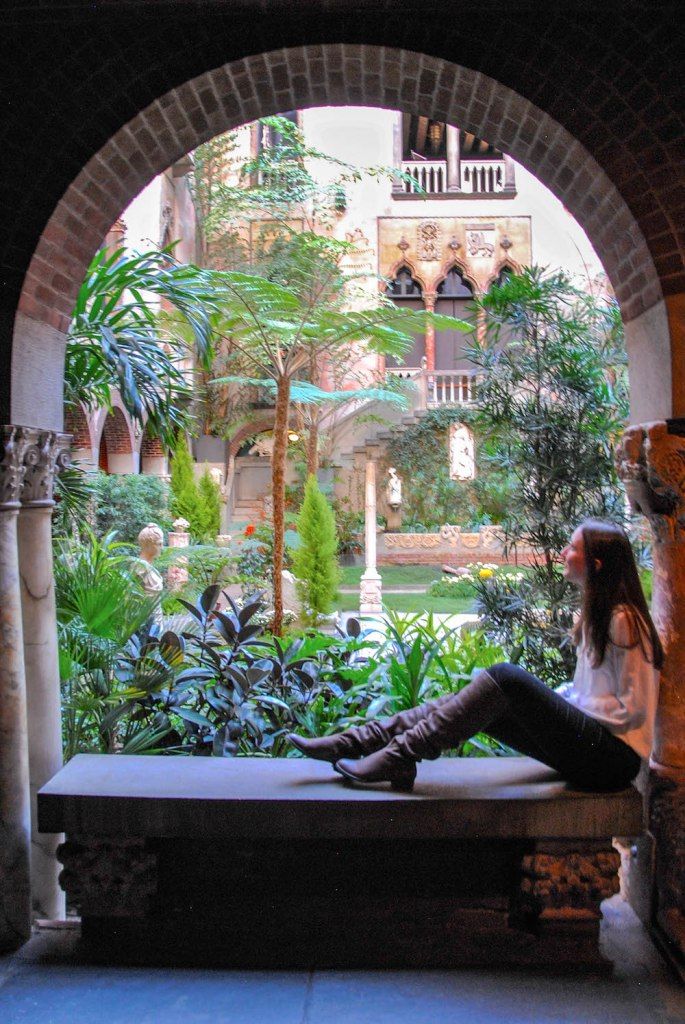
342 904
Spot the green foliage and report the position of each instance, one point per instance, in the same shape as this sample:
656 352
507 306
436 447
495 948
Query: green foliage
552 401
196 502
211 683
315 561
118 340
205 565
74 493
420 454
126 503
100 603
210 496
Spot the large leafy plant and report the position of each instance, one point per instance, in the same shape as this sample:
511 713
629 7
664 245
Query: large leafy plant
119 340
552 401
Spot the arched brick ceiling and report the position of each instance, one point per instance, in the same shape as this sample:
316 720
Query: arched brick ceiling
609 74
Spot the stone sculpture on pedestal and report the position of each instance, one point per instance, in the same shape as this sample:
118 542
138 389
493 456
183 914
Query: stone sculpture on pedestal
151 541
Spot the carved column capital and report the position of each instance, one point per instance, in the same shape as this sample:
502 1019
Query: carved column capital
29 459
651 463
13 447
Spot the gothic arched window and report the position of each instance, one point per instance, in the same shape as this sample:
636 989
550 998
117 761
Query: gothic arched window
407 293
455 295
403 285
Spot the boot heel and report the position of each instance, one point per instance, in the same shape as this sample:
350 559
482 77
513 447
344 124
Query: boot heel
403 785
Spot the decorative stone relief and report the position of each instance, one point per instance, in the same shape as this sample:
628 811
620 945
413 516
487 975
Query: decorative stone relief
430 240
572 881
412 540
480 242
263 446
651 463
371 592
110 877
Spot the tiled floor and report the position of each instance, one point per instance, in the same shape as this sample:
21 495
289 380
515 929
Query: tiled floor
47 983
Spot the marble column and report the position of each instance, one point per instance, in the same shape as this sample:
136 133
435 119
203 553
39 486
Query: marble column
429 299
651 463
371 587
397 147
45 452
453 160
15 807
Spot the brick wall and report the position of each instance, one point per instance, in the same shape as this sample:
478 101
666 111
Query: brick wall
76 424
587 96
117 433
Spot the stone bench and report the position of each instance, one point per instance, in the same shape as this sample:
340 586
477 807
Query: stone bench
257 862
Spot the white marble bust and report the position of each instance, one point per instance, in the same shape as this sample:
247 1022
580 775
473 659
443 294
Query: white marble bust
150 542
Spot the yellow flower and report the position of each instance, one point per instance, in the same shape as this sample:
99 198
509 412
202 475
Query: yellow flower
485 574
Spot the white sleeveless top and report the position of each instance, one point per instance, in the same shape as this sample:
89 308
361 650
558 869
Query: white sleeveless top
622 692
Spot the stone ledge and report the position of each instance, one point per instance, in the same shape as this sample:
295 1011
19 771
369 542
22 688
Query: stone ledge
481 798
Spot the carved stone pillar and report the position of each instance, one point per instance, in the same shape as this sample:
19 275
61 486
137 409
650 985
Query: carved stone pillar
561 888
509 176
370 587
108 877
15 808
45 452
429 302
453 162
651 463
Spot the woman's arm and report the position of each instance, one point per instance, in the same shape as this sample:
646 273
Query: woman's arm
623 681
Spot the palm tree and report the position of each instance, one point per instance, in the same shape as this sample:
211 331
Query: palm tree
119 340
272 330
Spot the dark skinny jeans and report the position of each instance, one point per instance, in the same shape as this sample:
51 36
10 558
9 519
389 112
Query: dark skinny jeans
541 724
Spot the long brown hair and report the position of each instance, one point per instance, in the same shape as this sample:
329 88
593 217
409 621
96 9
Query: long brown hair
612 580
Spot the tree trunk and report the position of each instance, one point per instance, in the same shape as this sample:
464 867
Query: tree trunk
278 488
313 447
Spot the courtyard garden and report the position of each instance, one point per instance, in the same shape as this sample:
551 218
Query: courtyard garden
219 645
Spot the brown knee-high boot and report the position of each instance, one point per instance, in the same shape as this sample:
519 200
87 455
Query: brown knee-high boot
364 739
454 720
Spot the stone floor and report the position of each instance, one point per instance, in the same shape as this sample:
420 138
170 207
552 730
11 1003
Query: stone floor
50 982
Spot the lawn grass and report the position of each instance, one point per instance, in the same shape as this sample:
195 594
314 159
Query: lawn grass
412 603
393 575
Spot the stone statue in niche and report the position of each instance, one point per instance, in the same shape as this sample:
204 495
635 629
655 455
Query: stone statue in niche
150 542
393 490
217 477
393 497
462 453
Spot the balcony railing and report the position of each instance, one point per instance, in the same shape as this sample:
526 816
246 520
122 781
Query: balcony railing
436 388
429 177
482 176
446 387
426 176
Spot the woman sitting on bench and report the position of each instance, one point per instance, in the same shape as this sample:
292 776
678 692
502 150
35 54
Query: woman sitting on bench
594 731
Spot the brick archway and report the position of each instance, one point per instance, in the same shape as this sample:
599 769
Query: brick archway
286 79
115 446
